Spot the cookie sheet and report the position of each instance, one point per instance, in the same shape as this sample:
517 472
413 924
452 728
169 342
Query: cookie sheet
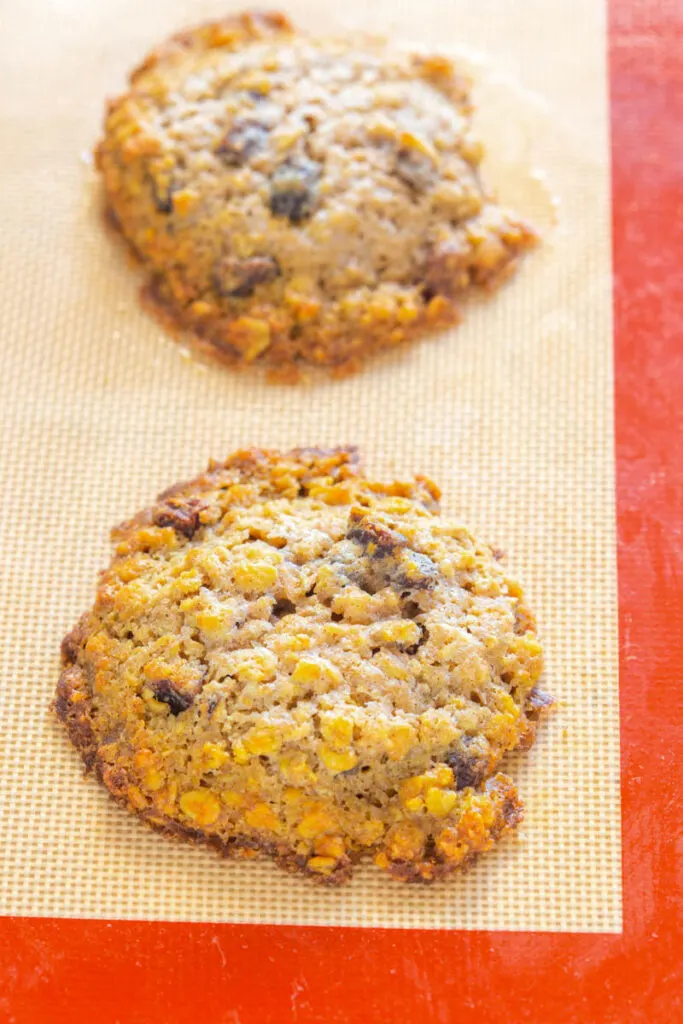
511 414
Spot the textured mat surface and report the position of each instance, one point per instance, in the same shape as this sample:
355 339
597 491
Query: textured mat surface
511 414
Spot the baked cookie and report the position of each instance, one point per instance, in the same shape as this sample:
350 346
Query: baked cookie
296 199
285 657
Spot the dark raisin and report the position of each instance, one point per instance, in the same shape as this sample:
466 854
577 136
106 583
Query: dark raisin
386 560
283 607
181 514
467 770
244 140
377 539
293 189
167 693
238 278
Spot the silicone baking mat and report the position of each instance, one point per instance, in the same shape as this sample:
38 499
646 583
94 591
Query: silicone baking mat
511 414
63 970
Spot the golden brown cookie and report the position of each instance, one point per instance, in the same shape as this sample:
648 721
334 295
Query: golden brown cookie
286 657
295 199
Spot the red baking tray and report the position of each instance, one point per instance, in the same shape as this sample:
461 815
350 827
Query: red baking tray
73 971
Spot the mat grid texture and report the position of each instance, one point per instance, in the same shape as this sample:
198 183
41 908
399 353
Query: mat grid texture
511 414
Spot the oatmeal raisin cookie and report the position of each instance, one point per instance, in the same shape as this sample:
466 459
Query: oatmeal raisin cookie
300 200
287 658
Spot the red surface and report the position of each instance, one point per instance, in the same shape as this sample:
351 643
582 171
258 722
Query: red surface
57 972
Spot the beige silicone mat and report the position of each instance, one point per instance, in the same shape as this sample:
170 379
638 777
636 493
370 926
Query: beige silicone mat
511 414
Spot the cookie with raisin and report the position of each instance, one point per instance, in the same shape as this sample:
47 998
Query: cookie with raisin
296 200
288 658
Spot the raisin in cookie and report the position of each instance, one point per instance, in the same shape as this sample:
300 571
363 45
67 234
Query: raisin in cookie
286 657
302 200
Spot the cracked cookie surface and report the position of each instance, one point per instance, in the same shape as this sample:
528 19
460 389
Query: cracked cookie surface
299 200
286 657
